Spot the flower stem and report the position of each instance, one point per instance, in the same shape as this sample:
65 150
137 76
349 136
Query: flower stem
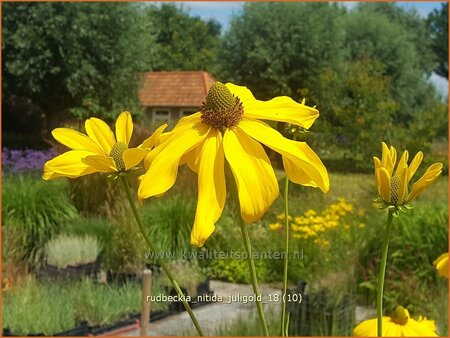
387 234
286 259
253 277
160 262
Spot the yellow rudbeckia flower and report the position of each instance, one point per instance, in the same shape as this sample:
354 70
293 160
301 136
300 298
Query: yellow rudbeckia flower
228 128
99 150
400 324
393 185
441 264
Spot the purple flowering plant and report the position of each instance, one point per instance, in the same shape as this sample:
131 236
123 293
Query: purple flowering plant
15 161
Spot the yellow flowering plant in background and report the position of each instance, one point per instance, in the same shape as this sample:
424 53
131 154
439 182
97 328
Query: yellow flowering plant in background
392 181
312 224
399 324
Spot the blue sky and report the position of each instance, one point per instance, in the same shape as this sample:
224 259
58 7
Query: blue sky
223 11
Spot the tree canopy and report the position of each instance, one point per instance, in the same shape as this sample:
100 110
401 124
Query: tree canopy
79 58
438 25
278 48
366 70
183 42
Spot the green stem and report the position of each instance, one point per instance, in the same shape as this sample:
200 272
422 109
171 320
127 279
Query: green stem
285 258
384 253
160 262
253 277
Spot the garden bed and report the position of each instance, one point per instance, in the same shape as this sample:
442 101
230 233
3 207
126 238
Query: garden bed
132 318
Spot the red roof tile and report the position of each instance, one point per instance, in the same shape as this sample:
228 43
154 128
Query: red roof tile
175 89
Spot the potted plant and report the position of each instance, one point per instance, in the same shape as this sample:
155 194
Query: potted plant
72 256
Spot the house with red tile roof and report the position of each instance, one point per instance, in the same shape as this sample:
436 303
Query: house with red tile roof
168 96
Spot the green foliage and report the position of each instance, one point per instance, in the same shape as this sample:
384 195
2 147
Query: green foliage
105 304
65 250
31 308
183 42
187 274
417 239
125 252
51 307
96 195
99 228
365 69
437 23
249 325
383 33
277 48
359 111
77 57
37 209
169 221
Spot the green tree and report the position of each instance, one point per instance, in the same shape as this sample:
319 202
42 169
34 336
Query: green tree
438 26
357 112
79 58
277 48
376 35
183 42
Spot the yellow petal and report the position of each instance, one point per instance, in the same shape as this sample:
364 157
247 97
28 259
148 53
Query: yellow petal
187 120
377 165
243 93
415 163
385 154
393 154
68 164
211 188
309 171
441 264
425 328
75 140
367 328
166 138
100 132
133 156
154 138
402 163
192 159
100 163
385 185
403 186
391 329
302 165
164 159
254 176
282 109
422 183
124 127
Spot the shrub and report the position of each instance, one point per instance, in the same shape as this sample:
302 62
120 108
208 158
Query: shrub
169 221
65 250
125 251
96 195
38 210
